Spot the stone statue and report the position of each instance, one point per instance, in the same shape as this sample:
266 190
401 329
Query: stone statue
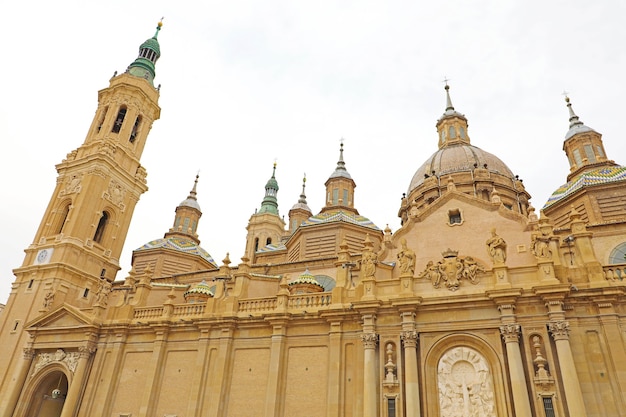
432 273
540 245
406 259
103 293
368 263
496 246
48 299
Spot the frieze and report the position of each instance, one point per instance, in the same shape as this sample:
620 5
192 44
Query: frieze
60 356
451 270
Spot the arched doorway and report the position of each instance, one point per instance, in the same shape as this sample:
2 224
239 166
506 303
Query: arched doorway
49 396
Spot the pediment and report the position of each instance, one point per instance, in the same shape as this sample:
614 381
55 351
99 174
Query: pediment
63 317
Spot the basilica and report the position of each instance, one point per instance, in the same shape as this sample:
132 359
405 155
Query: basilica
478 305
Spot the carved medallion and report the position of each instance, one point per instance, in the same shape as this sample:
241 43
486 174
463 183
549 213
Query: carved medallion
451 270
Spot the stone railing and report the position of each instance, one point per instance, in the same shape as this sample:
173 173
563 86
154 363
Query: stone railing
615 272
258 304
313 300
148 312
189 309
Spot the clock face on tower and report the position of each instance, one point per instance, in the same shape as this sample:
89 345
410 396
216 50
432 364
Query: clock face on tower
43 256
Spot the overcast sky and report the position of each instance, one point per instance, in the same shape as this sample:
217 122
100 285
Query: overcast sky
245 83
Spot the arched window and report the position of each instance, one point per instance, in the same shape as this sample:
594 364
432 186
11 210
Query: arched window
102 224
101 119
268 241
452 132
256 244
618 255
119 120
133 133
61 218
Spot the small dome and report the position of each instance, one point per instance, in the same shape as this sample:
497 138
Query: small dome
202 289
190 202
458 158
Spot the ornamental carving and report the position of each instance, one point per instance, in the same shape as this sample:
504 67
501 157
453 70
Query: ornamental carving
465 384
60 356
73 184
116 193
451 270
370 340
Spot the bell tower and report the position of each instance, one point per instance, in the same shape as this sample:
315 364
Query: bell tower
84 227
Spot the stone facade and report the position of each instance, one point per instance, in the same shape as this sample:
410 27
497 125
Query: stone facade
475 306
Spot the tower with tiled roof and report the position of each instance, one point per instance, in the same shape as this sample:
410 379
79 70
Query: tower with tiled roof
179 251
595 184
265 226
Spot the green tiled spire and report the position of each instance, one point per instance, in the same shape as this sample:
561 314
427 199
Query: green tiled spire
149 53
270 202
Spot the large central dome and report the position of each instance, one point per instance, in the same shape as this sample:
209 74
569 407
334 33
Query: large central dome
458 158
464 168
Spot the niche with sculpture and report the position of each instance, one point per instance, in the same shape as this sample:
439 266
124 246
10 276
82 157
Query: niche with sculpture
465 384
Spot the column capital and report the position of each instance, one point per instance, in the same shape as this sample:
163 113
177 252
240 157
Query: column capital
409 338
369 339
559 329
29 353
510 332
86 351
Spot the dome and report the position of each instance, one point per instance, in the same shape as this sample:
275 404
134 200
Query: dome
603 175
458 158
200 289
190 202
178 244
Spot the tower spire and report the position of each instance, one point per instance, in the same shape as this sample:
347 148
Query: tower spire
270 201
449 105
573 119
149 53
187 216
302 199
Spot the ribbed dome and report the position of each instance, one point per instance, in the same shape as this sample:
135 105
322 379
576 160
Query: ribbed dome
458 158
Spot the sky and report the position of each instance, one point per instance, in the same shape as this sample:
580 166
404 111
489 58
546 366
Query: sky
245 83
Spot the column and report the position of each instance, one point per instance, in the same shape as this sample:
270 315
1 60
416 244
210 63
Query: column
569 377
18 382
412 389
78 381
334 369
155 367
370 340
273 396
521 400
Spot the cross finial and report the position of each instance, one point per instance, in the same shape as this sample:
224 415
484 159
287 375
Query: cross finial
566 95
445 80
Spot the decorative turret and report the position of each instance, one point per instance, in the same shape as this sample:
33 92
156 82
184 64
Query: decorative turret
270 201
452 125
340 188
149 53
583 146
300 211
188 215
